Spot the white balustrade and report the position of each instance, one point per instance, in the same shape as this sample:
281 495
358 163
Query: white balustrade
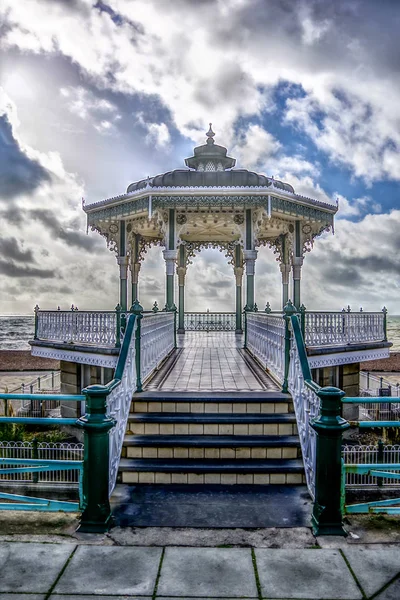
307 407
266 341
361 455
118 405
343 328
81 327
209 321
157 340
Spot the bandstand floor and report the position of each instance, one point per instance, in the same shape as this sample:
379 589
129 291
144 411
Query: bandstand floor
212 361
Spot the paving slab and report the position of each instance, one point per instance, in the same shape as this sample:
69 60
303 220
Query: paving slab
390 593
373 567
23 596
311 574
91 597
22 566
111 570
207 572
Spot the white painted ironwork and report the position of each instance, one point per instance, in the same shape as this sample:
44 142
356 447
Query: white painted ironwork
343 328
42 451
209 321
75 326
361 455
266 341
118 405
373 385
157 340
307 407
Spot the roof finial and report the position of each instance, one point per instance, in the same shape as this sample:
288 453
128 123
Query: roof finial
210 134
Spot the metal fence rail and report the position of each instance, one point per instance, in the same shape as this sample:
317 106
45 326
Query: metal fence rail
363 454
41 451
343 328
209 321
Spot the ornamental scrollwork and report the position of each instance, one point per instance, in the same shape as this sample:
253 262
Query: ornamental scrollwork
192 248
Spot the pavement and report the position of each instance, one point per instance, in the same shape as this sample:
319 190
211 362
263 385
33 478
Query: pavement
79 571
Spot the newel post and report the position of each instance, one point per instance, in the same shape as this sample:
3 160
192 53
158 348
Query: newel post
329 427
302 311
288 310
118 326
245 311
36 311
96 515
137 309
175 311
384 310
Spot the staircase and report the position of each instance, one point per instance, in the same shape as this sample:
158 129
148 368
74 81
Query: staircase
211 438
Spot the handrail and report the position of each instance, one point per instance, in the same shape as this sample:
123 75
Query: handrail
301 348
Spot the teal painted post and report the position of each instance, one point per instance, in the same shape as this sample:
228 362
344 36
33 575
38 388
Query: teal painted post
36 311
288 311
118 326
96 515
250 256
246 310
238 270
137 309
175 311
302 311
329 427
297 264
384 310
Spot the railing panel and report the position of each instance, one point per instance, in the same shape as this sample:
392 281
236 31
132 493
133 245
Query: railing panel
80 327
266 341
361 455
343 328
157 340
209 321
307 407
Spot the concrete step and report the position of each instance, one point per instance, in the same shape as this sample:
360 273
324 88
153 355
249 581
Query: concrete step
217 471
217 404
211 446
206 424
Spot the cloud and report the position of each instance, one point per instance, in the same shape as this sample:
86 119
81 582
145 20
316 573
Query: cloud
66 233
9 248
19 174
12 270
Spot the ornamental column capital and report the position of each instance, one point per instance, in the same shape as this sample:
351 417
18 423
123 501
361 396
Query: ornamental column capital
285 269
297 262
170 257
135 268
238 271
181 271
123 266
249 255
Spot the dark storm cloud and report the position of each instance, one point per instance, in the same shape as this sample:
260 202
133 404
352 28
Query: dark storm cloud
61 232
12 270
9 248
13 215
18 173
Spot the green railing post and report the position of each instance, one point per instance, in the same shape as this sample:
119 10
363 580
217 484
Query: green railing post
302 311
288 310
155 308
96 515
380 460
268 308
329 427
384 310
137 309
175 311
118 326
245 311
36 311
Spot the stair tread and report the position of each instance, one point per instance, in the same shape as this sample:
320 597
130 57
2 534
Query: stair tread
212 441
161 465
160 396
172 417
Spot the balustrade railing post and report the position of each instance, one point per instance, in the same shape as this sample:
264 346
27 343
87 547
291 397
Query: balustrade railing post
175 311
36 311
118 326
384 310
96 515
245 311
288 311
137 309
302 311
329 427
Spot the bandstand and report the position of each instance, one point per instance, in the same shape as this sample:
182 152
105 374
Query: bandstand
210 408
210 204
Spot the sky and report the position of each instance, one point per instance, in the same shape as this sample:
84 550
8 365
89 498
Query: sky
96 95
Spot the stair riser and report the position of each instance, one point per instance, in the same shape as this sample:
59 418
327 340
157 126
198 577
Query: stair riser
212 407
210 453
214 429
214 478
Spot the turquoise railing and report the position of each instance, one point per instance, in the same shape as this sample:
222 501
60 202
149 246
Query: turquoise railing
330 470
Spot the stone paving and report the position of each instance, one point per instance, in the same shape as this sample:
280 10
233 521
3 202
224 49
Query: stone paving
42 571
213 361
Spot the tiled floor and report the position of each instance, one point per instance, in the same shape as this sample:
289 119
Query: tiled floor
214 362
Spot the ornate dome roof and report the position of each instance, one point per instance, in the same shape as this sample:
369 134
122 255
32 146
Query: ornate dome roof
209 168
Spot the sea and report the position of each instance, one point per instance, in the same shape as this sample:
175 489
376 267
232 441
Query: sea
16 330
